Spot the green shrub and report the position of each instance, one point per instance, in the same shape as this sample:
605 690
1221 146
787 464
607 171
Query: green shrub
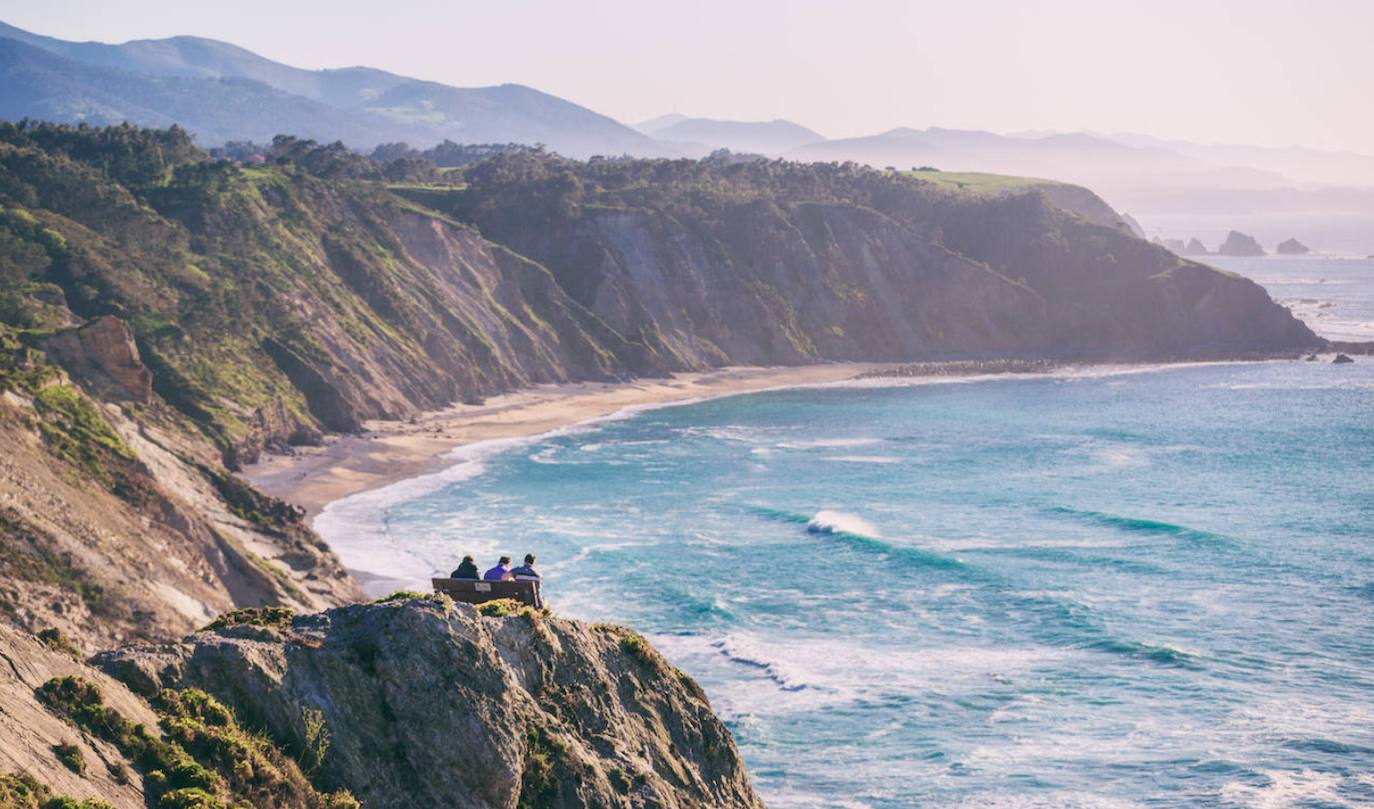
22 791
168 766
189 798
316 738
205 759
252 616
538 780
401 595
57 640
500 608
634 645
343 799
70 756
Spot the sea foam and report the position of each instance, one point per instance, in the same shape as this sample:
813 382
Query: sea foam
837 522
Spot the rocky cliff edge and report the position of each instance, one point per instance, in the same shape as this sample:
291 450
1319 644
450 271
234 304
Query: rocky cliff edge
429 703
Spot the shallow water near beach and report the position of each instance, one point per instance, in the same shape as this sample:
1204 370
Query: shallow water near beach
1151 587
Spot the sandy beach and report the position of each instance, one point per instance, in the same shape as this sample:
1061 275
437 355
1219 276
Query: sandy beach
391 451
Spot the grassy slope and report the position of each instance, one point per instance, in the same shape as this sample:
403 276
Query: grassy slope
979 182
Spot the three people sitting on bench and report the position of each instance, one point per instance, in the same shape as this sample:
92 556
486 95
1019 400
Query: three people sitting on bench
502 572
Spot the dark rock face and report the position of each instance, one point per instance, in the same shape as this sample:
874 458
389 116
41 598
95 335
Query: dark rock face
1292 247
1342 359
1239 244
430 704
1195 248
104 354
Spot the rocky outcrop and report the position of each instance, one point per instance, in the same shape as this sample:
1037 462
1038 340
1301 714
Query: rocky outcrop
1292 247
1239 244
1342 359
1195 247
429 703
103 353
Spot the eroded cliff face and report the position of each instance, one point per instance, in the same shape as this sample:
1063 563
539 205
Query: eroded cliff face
778 263
116 529
429 703
275 302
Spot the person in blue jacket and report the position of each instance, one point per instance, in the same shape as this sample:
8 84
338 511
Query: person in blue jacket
526 572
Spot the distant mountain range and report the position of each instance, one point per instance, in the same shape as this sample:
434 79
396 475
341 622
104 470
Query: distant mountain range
221 92
703 135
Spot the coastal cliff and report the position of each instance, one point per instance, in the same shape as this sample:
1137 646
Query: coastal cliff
431 703
167 318
274 302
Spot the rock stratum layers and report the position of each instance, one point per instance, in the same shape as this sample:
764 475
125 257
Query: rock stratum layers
166 317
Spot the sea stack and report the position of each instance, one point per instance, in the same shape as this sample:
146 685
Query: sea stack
1195 248
1292 247
1239 244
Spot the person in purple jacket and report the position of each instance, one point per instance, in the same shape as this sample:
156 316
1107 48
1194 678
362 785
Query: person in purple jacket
501 572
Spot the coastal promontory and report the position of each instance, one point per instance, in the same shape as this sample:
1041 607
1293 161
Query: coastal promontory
466 707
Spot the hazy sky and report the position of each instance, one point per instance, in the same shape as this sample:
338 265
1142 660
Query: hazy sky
1258 71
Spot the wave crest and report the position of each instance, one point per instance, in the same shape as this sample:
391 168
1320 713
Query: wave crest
839 522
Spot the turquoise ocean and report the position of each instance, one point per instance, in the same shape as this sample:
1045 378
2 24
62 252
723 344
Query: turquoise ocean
1145 586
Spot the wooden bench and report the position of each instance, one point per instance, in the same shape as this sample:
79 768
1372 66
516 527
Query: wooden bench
472 591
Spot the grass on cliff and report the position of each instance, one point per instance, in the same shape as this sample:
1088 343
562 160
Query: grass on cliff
252 616
403 595
538 776
70 756
507 607
23 791
202 759
76 433
977 181
57 640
